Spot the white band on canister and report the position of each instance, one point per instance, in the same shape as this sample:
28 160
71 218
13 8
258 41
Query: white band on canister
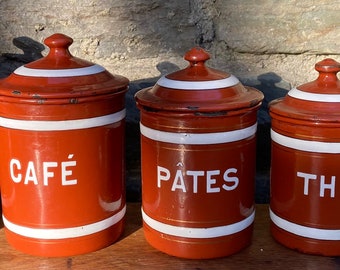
198 138
304 145
198 85
69 72
65 233
198 232
304 231
296 93
38 125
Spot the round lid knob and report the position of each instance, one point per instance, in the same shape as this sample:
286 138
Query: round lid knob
58 44
328 69
327 81
58 41
59 56
196 56
197 71
328 65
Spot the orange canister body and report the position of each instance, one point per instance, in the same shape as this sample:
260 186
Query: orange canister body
198 130
62 154
305 192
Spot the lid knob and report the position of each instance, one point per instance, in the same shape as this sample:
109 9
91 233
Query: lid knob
196 56
58 44
328 69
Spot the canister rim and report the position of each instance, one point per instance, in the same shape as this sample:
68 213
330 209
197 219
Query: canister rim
218 101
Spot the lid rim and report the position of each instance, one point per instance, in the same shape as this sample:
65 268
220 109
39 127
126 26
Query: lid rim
198 85
58 73
317 97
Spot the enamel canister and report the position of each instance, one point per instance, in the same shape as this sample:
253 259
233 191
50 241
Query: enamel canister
305 193
198 128
62 154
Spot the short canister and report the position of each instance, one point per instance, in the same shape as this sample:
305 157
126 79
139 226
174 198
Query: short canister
198 128
305 193
62 154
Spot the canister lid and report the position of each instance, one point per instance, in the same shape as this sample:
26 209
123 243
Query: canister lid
199 88
60 76
318 100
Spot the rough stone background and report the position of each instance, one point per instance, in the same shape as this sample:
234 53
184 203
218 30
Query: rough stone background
270 44
133 37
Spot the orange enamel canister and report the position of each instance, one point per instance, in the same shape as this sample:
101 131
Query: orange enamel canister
305 192
198 130
62 154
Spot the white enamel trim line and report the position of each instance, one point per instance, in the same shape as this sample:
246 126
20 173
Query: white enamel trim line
65 233
71 72
198 138
296 93
36 125
304 145
198 85
198 232
304 231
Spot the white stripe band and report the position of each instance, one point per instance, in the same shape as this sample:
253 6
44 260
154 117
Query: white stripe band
198 138
304 145
198 85
198 232
37 125
296 93
65 233
71 72
304 231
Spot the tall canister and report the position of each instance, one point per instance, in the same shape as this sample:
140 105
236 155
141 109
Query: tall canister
198 130
305 192
62 154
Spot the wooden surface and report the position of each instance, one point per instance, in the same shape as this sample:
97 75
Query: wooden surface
133 252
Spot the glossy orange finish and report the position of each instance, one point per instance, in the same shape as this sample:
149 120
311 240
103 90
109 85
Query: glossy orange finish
197 186
231 100
304 190
62 154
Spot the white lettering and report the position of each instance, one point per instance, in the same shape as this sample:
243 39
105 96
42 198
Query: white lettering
16 178
209 181
324 186
163 174
30 174
307 177
230 179
46 173
178 182
195 175
65 172
212 181
16 170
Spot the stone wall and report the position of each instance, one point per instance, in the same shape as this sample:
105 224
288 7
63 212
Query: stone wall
270 44
139 39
